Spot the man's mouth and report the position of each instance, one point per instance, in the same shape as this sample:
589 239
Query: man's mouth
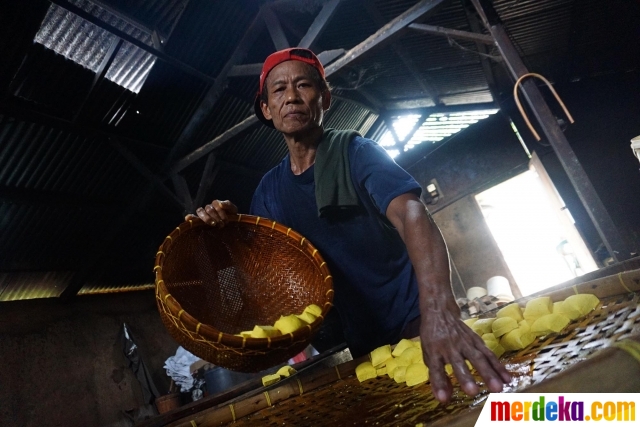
294 114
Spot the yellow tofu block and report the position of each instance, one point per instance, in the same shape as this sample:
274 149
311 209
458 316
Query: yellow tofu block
381 371
583 303
392 364
245 334
470 322
516 339
288 324
380 355
448 369
264 332
270 379
286 371
307 317
469 365
400 374
414 354
483 326
365 371
402 346
537 307
403 361
489 337
512 310
548 324
313 309
495 347
566 310
416 373
503 325
417 344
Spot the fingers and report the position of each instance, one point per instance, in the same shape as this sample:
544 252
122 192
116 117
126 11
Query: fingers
440 383
492 371
217 212
465 379
461 344
487 366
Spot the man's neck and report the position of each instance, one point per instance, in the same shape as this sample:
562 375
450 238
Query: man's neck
302 149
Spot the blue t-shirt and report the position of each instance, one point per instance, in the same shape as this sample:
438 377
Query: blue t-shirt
376 292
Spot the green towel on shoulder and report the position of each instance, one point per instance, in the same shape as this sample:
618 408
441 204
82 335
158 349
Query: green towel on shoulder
334 189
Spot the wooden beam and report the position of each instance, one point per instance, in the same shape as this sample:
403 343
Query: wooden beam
213 94
275 29
327 56
182 190
100 73
410 104
461 108
319 24
584 188
454 34
386 33
346 98
371 98
145 171
227 135
422 79
211 169
246 70
486 64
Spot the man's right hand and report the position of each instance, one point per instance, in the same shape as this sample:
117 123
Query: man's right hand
215 213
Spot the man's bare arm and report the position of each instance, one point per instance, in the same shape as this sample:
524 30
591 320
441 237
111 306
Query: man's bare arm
445 338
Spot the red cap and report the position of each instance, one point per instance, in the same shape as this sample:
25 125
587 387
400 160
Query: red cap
290 54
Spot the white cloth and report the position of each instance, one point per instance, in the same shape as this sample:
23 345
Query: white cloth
178 368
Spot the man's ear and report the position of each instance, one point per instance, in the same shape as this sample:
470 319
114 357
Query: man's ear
265 110
326 100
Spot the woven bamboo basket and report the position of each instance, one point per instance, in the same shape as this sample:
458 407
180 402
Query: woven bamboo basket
212 283
577 359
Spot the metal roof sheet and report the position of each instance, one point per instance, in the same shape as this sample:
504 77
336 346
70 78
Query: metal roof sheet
87 44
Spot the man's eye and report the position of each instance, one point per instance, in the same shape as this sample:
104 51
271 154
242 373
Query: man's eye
278 89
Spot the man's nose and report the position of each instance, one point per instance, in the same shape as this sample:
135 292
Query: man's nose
292 95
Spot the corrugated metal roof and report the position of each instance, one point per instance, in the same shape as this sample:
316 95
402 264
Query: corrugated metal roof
208 32
90 44
31 285
41 158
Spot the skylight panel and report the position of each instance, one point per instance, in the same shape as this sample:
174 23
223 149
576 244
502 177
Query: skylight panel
87 44
434 128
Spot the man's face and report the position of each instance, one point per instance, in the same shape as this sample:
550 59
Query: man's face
296 104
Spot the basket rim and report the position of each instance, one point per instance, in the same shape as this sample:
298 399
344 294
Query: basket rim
191 325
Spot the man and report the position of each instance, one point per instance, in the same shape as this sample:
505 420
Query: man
363 213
